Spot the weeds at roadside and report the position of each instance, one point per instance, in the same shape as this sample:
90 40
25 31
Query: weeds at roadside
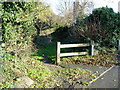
73 76
106 58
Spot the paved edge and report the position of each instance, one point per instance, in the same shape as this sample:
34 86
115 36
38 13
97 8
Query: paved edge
101 75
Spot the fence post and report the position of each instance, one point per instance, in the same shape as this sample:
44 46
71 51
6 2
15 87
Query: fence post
118 44
92 48
58 53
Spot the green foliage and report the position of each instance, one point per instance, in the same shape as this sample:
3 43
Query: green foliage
37 71
49 51
17 34
42 76
17 30
5 84
102 26
18 27
32 68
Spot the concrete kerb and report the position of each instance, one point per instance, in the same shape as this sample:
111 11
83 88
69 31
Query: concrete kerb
101 74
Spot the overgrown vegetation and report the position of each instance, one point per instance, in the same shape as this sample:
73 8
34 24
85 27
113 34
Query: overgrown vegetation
18 31
71 75
103 58
102 26
30 31
48 51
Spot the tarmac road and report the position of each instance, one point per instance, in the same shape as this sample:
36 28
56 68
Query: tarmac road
110 79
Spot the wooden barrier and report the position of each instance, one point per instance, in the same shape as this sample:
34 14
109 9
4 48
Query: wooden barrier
118 44
59 46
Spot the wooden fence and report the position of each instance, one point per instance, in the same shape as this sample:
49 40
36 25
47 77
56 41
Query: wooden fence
118 44
59 46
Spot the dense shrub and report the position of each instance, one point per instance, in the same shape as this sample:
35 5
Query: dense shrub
18 26
101 26
17 36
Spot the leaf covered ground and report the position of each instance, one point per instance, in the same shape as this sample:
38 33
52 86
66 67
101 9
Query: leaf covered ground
42 75
106 58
